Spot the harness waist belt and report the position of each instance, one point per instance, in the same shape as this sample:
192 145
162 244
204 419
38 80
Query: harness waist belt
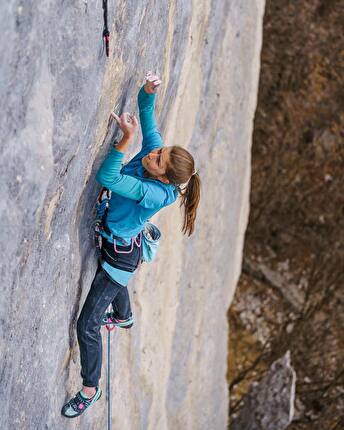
125 258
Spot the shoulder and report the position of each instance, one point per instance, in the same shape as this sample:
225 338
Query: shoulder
157 194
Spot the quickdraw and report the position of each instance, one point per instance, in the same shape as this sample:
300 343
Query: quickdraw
101 208
106 33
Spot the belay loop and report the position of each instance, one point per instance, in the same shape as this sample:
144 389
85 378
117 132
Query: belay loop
106 33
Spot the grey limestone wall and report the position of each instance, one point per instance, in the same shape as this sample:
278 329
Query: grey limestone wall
56 91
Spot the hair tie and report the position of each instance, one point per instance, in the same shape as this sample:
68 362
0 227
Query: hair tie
194 172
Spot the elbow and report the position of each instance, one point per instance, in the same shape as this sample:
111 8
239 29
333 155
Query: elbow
100 179
109 183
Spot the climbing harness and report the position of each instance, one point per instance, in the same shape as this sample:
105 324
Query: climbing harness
142 248
126 257
106 33
135 241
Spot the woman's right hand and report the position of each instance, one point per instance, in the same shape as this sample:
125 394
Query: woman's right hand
127 123
152 83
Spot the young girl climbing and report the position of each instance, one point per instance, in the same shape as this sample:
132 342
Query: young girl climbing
150 181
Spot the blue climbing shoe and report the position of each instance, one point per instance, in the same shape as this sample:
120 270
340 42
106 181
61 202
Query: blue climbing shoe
78 404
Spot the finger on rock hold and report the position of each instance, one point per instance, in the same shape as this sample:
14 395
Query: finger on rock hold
114 116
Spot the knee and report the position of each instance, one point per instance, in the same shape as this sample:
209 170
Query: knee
85 328
80 327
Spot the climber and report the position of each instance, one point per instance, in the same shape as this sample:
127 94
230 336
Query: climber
152 180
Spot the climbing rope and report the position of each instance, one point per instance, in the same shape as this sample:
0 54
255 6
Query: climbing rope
109 325
106 33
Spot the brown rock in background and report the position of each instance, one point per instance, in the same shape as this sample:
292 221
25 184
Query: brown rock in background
269 404
295 239
57 90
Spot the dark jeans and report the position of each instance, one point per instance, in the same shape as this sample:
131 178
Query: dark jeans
103 292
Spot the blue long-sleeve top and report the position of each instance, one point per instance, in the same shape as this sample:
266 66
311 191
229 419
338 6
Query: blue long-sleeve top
134 198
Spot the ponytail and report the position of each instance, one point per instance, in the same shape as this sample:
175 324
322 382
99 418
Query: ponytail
181 170
190 197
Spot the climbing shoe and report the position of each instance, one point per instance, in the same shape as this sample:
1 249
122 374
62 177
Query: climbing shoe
78 404
110 319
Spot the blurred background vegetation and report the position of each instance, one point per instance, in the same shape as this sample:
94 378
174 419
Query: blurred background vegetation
291 291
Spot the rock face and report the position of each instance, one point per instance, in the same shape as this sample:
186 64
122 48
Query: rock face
269 405
56 91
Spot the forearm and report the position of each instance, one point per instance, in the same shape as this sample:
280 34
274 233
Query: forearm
123 144
146 102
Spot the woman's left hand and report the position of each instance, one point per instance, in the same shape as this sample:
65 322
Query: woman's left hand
127 123
152 83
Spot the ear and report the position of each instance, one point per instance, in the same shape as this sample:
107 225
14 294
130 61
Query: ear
163 179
